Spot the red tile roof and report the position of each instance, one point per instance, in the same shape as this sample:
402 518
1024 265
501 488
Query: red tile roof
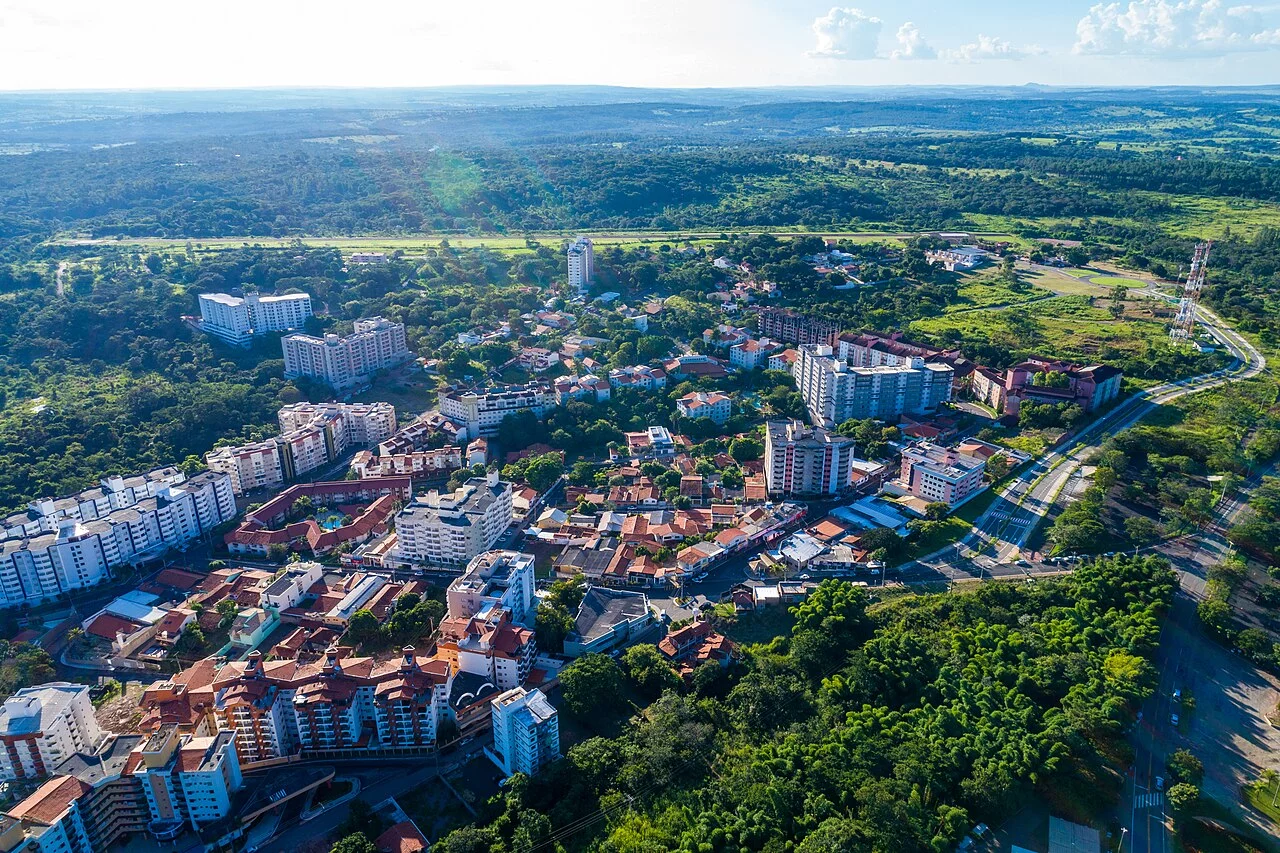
404 837
50 800
106 626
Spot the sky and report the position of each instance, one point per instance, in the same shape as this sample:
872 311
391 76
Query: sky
149 44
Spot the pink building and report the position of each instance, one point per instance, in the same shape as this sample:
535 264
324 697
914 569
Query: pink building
940 474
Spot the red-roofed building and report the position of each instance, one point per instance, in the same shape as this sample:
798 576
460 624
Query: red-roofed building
695 644
404 837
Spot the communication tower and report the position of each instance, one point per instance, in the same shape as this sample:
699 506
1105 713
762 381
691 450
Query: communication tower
1185 322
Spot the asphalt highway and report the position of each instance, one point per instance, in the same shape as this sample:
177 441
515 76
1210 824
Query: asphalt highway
993 548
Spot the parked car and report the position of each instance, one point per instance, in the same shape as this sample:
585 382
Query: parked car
1159 783
1177 694
1173 719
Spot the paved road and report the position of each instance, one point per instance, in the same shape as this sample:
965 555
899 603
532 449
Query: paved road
378 783
994 545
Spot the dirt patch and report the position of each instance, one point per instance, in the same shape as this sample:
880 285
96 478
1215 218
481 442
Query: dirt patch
121 714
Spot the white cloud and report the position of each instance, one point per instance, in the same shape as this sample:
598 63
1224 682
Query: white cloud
846 34
1170 30
990 47
911 45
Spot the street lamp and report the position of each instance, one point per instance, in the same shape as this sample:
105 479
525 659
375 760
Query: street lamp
1123 830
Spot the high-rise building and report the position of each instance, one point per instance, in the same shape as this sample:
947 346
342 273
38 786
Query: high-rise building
344 362
482 413
940 474
311 435
496 580
236 320
804 460
188 781
450 530
526 731
582 261
834 391
783 324
62 544
40 726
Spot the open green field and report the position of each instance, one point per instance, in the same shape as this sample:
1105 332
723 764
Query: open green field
1116 280
987 290
1065 282
1064 326
503 243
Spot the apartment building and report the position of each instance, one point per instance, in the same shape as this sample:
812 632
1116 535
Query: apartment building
495 580
187 781
752 353
1044 381
834 391
804 460
429 429
482 413
582 260
236 320
450 530
526 731
62 544
783 324
419 463
40 726
312 435
48 821
868 349
277 708
705 404
940 474
345 362
639 376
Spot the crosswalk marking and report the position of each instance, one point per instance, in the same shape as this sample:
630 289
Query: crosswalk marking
1148 801
1004 516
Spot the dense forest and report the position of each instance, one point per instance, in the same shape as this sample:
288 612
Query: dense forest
891 728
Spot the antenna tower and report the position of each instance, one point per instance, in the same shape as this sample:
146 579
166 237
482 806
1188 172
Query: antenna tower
1185 322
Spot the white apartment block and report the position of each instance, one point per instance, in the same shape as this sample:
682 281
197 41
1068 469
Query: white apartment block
639 376
526 731
481 414
40 726
312 435
834 391
188 781
804 460
419 463
940 474
344 362
237 320
495 580
582 262
248 466
752 353
450 530
705 404
73 542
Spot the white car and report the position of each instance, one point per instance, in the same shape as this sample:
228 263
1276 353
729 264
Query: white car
1173 719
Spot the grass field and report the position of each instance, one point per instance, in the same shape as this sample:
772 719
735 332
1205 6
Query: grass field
1114 280
1065 283
1065 327
987 290
504 243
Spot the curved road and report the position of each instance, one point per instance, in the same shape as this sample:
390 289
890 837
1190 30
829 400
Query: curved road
994 544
